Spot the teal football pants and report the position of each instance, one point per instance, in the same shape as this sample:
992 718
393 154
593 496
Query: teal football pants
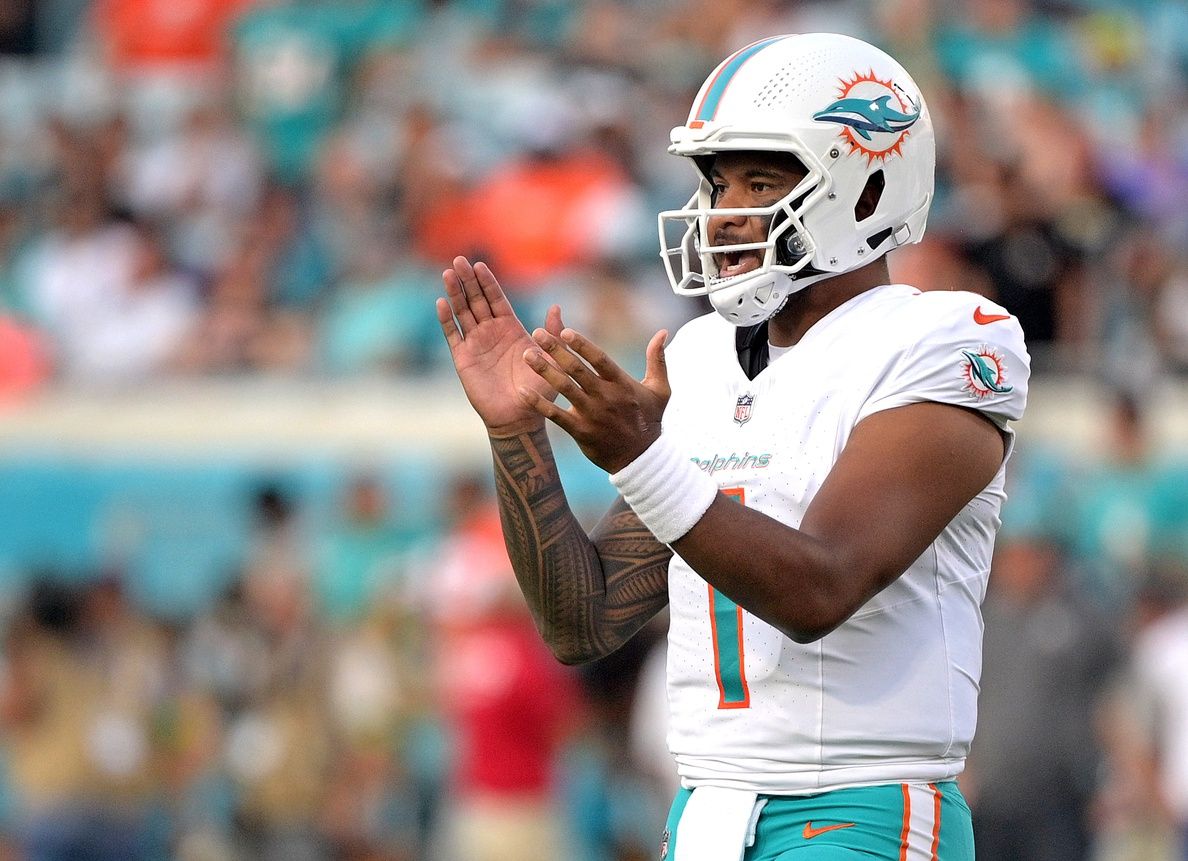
890 822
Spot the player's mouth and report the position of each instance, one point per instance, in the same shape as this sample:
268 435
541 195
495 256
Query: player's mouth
732 263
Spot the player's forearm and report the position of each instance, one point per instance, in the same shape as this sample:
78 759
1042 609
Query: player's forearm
789 579
588 595
904 475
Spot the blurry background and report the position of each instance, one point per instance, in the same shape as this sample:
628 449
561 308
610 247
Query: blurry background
253 600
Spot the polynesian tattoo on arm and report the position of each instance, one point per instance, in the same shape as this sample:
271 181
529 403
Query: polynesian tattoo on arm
588 593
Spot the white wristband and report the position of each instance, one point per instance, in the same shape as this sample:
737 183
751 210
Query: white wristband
666 490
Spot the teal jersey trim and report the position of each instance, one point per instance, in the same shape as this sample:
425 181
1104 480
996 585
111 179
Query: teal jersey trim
727 636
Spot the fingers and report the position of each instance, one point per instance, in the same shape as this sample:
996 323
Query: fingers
479 306
553 324
493 294
656 373
567 361
597 358
562 380
610 412
564 419
449 326
456 297
468 297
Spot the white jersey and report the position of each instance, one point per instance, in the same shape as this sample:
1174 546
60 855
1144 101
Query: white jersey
891 694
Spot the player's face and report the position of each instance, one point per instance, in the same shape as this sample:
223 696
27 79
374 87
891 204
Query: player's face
744 180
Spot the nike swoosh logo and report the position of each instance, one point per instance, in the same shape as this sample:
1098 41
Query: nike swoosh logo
810 832
982 319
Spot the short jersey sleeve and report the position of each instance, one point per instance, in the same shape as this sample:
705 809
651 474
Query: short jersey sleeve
959 349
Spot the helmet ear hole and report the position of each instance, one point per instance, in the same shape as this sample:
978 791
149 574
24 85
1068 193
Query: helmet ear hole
872 193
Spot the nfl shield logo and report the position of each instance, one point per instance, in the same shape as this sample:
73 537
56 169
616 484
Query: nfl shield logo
742 408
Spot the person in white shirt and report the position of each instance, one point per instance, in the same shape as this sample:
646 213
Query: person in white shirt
811 477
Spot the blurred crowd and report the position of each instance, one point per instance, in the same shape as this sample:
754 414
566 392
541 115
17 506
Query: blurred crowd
198 188
378 694
367 689
229 186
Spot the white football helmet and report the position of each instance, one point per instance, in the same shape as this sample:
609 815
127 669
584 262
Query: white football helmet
852 115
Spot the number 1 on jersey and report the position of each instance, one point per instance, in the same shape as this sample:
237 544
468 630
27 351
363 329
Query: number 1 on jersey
726 629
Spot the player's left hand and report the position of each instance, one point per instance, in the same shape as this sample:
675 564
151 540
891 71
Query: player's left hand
612 416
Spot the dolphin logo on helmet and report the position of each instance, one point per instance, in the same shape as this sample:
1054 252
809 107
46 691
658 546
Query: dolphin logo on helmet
865 116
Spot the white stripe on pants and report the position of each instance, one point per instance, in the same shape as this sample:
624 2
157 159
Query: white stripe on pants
921 822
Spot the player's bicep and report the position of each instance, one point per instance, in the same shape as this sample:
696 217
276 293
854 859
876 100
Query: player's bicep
904 474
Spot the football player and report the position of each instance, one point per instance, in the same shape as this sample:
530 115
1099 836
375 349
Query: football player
811 476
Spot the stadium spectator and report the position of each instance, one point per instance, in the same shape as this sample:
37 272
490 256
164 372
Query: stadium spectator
1142 329
1029 266
1129 510
260 313
84 674
294 63
146 34
279 754
24 365
235 332
432 184
1008 45
377 693
508 705
1035 764
376 322
1140 813
549 211
223 653
360 562
1171 320
203 183
613 799
279 746
278 561
104 290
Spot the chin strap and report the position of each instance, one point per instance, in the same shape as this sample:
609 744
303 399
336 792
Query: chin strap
751 344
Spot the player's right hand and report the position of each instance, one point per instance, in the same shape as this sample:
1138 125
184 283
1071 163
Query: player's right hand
487 343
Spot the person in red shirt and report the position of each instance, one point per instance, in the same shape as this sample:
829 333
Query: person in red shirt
24 364
533 217
143 35
509 706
